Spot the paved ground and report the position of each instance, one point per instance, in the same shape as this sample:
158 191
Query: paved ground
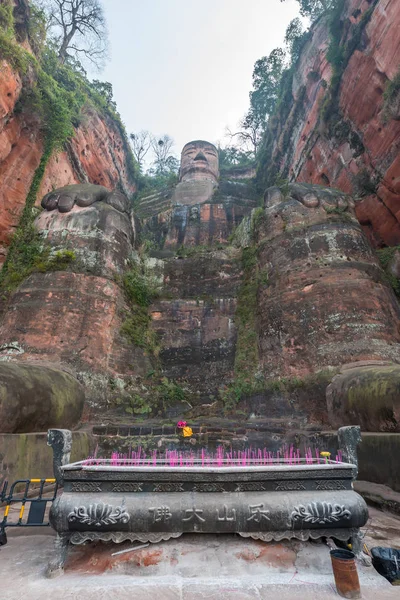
193 567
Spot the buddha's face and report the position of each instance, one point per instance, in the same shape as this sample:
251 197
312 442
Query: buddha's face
199 160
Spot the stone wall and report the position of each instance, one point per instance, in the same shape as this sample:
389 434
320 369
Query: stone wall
27 455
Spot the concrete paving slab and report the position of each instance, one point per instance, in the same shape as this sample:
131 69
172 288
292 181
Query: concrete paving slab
216 592
191 567
317 592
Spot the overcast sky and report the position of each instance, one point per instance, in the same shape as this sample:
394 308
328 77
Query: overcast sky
184 67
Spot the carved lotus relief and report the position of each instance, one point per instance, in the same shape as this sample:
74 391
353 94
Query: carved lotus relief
98 514
320 512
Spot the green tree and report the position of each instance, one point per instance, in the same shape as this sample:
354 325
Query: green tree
164 165
249 133
267 76
294 38
231 156
105 89
315 8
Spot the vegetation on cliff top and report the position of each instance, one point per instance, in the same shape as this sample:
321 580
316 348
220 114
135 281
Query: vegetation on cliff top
391 95
274 110
162 173
10 51
386 257
57 93
313 9
282 115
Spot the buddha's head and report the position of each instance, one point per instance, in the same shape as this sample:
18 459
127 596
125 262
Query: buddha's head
199 160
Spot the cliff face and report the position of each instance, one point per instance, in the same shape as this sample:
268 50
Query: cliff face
189 229
355 145
327 302
96 154
73 318
269 320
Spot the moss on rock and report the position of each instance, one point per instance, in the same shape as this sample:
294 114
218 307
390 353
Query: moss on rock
368 396
35 398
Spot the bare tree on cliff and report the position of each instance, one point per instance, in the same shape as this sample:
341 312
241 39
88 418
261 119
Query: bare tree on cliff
164 161
78 29
248 136
141 144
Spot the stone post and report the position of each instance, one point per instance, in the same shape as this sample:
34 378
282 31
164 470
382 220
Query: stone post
349 438
61 442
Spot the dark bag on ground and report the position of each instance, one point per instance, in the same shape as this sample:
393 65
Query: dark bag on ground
387 562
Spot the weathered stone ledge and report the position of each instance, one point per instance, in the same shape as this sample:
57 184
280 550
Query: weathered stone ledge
380 496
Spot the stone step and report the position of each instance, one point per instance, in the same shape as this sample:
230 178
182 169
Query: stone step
149 212
121 438
154 204
157 428
155 201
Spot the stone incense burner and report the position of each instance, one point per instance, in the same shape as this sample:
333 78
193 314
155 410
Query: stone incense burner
146 503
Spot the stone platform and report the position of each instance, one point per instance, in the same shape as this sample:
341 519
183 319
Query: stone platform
193 567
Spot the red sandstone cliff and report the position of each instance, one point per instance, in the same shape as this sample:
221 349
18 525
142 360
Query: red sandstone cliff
96 154
360 154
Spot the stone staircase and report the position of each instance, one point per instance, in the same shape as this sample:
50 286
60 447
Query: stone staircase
211 433
152 205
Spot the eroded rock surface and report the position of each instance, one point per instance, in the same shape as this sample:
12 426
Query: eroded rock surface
327 301
368 395
356 147
319 296
93 222
75 317
72 318
37 397
96 154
